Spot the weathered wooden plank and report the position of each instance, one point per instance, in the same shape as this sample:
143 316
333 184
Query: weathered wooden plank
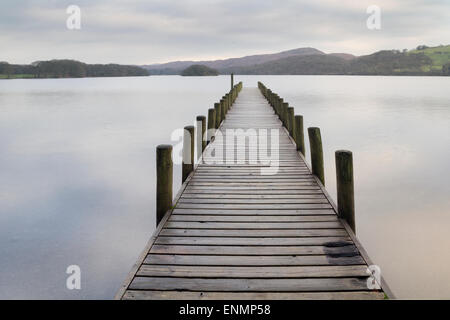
251 196
281 285
252 201
189 295
236 218
254 206
242 241
253 225
275 193
251 272
258 179
252 250
270 189
282 233
255 212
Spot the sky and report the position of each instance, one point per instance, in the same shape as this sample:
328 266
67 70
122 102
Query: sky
157 31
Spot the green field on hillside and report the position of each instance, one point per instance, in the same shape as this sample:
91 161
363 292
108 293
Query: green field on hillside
16 76
439 55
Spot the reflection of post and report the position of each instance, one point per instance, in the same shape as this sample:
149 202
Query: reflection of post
232 81
164 178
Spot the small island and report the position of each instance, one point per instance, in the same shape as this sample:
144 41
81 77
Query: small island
199 70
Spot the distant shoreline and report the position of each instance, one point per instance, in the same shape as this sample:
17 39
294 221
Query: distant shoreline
254 75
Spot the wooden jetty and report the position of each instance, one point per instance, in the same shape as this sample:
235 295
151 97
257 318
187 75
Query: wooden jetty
234 233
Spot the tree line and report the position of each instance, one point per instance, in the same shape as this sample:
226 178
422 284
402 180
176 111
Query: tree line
70 69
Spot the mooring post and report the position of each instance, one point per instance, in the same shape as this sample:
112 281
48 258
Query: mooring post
164 180
299 135
284 113
232 81
345 187
218 114
227 102
222 108
211 124
315 143
275 103
201 139
279 107
290 121
188 152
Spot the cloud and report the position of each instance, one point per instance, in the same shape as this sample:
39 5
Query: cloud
156 31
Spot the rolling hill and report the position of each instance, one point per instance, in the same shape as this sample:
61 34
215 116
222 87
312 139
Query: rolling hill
310 61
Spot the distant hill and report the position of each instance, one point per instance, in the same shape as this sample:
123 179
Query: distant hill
177 66
199 70
420 61
68 69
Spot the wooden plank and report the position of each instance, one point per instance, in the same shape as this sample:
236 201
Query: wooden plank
254 225
242 241
252 250
237 218
254 206
282 233
275 193
257 189
251 196
280 285
255 212
186 295
251 272
252 201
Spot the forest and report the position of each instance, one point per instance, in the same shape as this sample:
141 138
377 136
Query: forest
68 69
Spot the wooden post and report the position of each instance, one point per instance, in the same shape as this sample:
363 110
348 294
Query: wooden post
232 81
283 113
188 152
201 139
164 180
315 143
299 135
218 114
223 107
211 124
279 107
290 121
345 187
227 102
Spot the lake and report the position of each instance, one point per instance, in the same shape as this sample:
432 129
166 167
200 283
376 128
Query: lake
77 166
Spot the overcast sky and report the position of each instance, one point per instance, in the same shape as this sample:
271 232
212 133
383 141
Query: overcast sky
152 31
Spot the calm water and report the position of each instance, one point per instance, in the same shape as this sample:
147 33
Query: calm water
77 166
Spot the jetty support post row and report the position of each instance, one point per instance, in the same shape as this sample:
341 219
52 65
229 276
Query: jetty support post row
344 158
164 163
